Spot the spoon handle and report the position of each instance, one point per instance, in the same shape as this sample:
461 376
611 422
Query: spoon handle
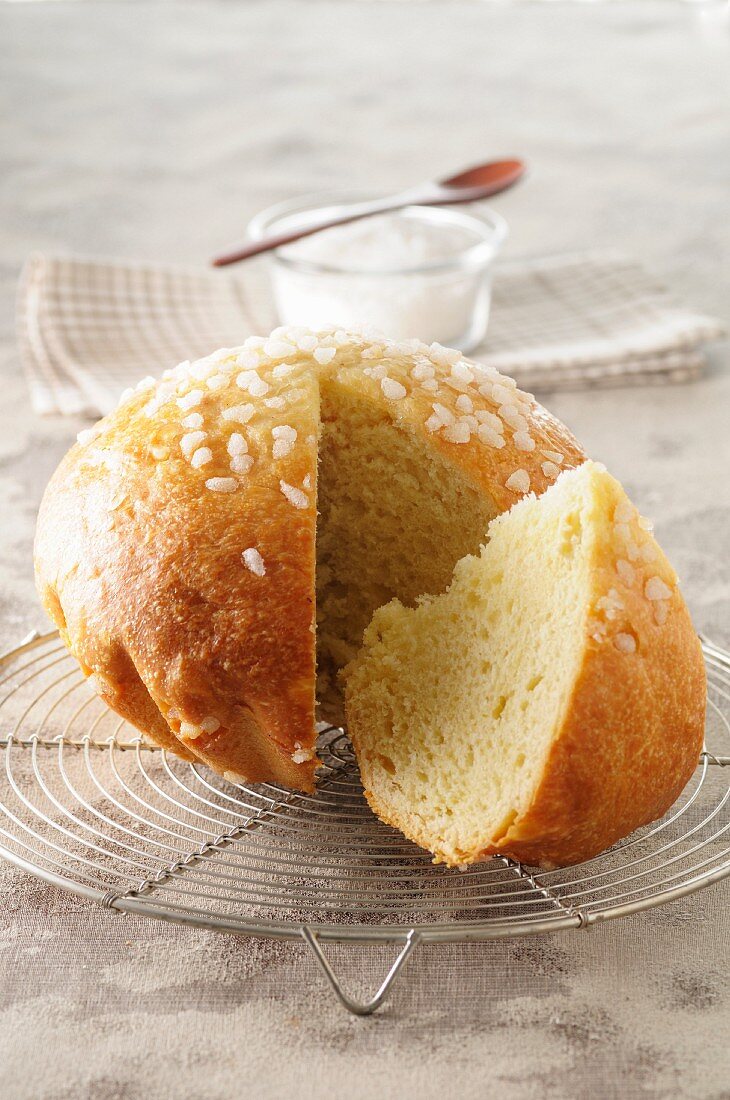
278 240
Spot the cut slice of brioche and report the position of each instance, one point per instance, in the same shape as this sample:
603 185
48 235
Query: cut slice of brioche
546 705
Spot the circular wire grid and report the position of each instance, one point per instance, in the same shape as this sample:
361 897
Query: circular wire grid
87 804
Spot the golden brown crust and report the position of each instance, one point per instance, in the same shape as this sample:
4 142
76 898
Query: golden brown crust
633 727
140 565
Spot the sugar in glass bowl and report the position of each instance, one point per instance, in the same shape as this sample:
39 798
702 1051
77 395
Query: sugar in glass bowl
421 271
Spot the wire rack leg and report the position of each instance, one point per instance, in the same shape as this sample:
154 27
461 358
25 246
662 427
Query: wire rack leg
360 1008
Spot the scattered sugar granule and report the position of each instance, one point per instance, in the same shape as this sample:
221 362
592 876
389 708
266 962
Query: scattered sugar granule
623 512
649 552
210 724
553 456
190 400
610 604
656 589
241 414
281 370
393 390
464 403
278 402
241 464
201 457
191 441
433 423
626 571
293 495
515 419
251 381
293 395
324 355
221 484
523 441
307 342
254 562
484 416
430 385
503 395
550 470
248 359
490 437
661 610
457 433
422 371
189 732
443 357
307 483
300 755
278 349
379 371
646 524
201 369
461 371
195 420
444 415
217 382
626 643
284 440
87 435
159 453
519 481
236 445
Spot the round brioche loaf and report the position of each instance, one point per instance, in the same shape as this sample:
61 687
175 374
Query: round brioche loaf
176 545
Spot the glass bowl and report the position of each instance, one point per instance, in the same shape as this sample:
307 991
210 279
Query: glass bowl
442 292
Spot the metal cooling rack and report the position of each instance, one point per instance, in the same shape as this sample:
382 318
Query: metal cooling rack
88 805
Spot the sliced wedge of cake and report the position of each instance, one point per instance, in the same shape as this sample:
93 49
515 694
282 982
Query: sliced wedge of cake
550 702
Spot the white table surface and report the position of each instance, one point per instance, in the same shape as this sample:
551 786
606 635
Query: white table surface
155 131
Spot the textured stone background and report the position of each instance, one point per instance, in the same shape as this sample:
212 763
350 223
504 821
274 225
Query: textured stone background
156 130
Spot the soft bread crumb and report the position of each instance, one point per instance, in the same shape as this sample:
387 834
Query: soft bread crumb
394 517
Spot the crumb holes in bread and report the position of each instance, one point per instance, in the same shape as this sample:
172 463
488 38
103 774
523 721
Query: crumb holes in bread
571 533
386 763
498 708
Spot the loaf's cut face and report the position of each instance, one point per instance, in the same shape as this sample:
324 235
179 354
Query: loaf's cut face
231 528
394 517
549 703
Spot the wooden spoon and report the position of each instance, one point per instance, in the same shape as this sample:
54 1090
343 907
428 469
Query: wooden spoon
469 186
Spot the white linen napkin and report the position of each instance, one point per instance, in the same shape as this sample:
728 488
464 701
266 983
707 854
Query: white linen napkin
89 328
